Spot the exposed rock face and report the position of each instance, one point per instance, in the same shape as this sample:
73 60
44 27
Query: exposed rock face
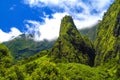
71 46
107 43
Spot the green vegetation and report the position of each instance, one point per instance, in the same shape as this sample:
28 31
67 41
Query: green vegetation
5 56
5 59
71 46
91 32
24 46
72 57
43 69
107 43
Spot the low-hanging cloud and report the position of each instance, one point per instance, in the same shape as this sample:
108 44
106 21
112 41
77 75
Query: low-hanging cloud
48 30
85 14
4 36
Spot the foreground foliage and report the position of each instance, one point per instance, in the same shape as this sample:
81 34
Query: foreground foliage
43 69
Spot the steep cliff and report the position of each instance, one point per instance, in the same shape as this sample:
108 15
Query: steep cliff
71 46
107 43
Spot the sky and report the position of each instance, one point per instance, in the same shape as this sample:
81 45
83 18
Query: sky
42 17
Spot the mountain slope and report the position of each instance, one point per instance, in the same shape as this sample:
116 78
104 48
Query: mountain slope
24 46
91 32
6 59
71 46
108 39
5 56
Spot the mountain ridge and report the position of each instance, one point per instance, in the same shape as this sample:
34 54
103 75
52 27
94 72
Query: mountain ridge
108 38
24 46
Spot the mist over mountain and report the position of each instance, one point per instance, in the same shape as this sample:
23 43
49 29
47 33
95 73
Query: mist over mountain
24 46
91 32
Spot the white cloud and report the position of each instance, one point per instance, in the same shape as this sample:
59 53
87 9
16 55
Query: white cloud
48 30
68 4
88 21
10 35
80 10
72 7
100 4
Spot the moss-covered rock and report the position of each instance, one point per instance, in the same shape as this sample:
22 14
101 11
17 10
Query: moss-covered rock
71 46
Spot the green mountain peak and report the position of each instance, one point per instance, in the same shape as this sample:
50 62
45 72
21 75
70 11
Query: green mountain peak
71 46
67 24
